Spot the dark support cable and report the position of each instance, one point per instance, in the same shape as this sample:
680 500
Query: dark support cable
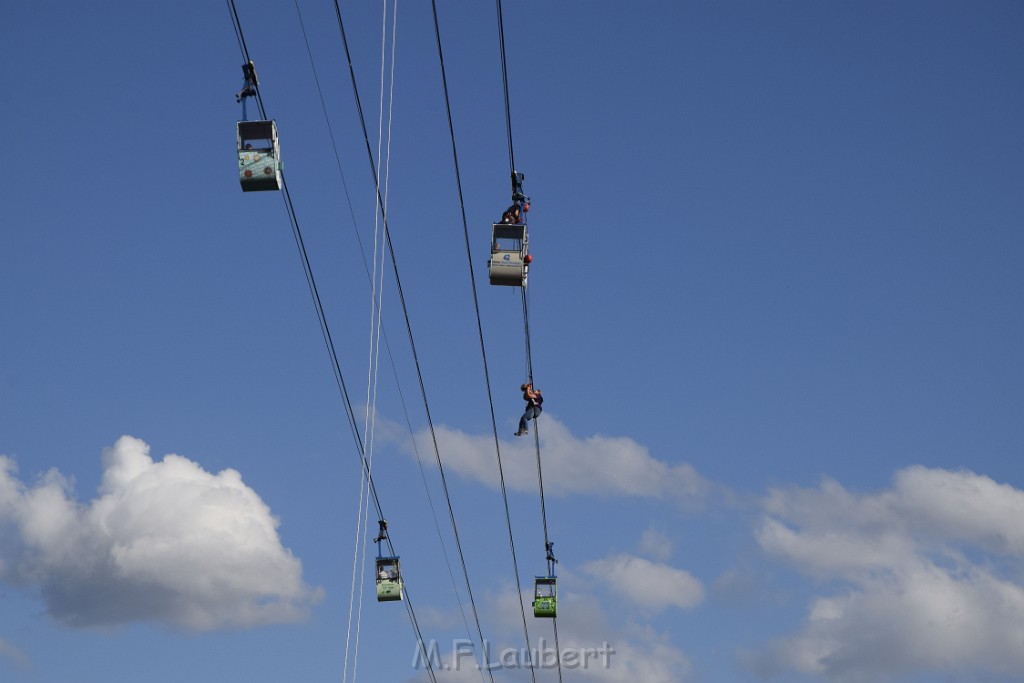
504 80
387 343
401 297
526 316
526 328
480 332
325 330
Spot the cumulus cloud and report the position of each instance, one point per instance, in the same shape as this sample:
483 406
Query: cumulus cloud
593 644
930 572
646 584
604 465
639 652
605 650
655 544
164 541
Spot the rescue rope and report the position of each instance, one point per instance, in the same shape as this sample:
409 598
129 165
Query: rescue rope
376 294
370 278
384 336
408 325
329 342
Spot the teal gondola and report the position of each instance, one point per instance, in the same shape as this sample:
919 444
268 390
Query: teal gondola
259 156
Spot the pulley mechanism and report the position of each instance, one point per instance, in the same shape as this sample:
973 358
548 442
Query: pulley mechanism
549 547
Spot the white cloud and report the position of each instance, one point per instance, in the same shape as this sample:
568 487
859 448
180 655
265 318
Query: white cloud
164 541
597 464
656 545
961 505
593 646
647 584
920 593
635 652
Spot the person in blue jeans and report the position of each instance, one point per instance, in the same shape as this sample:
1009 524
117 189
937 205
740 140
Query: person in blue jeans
533 400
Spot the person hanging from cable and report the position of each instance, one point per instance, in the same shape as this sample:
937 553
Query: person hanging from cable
533 400
251 82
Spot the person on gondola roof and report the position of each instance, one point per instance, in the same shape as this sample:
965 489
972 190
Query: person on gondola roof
513 215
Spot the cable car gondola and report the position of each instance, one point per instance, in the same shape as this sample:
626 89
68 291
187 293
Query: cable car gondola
259 156
545 596
545 588
388 571
510 258
259 150
389 579
509 264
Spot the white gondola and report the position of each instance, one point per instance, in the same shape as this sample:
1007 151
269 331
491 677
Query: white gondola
510 255
259 156
389 579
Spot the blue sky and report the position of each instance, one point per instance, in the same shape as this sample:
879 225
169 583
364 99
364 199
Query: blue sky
774 309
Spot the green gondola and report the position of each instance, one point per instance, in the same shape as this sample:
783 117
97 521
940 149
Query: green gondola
545 596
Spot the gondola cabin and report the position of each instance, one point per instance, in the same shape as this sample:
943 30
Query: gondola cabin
545 596
259 156
389 579
510 262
